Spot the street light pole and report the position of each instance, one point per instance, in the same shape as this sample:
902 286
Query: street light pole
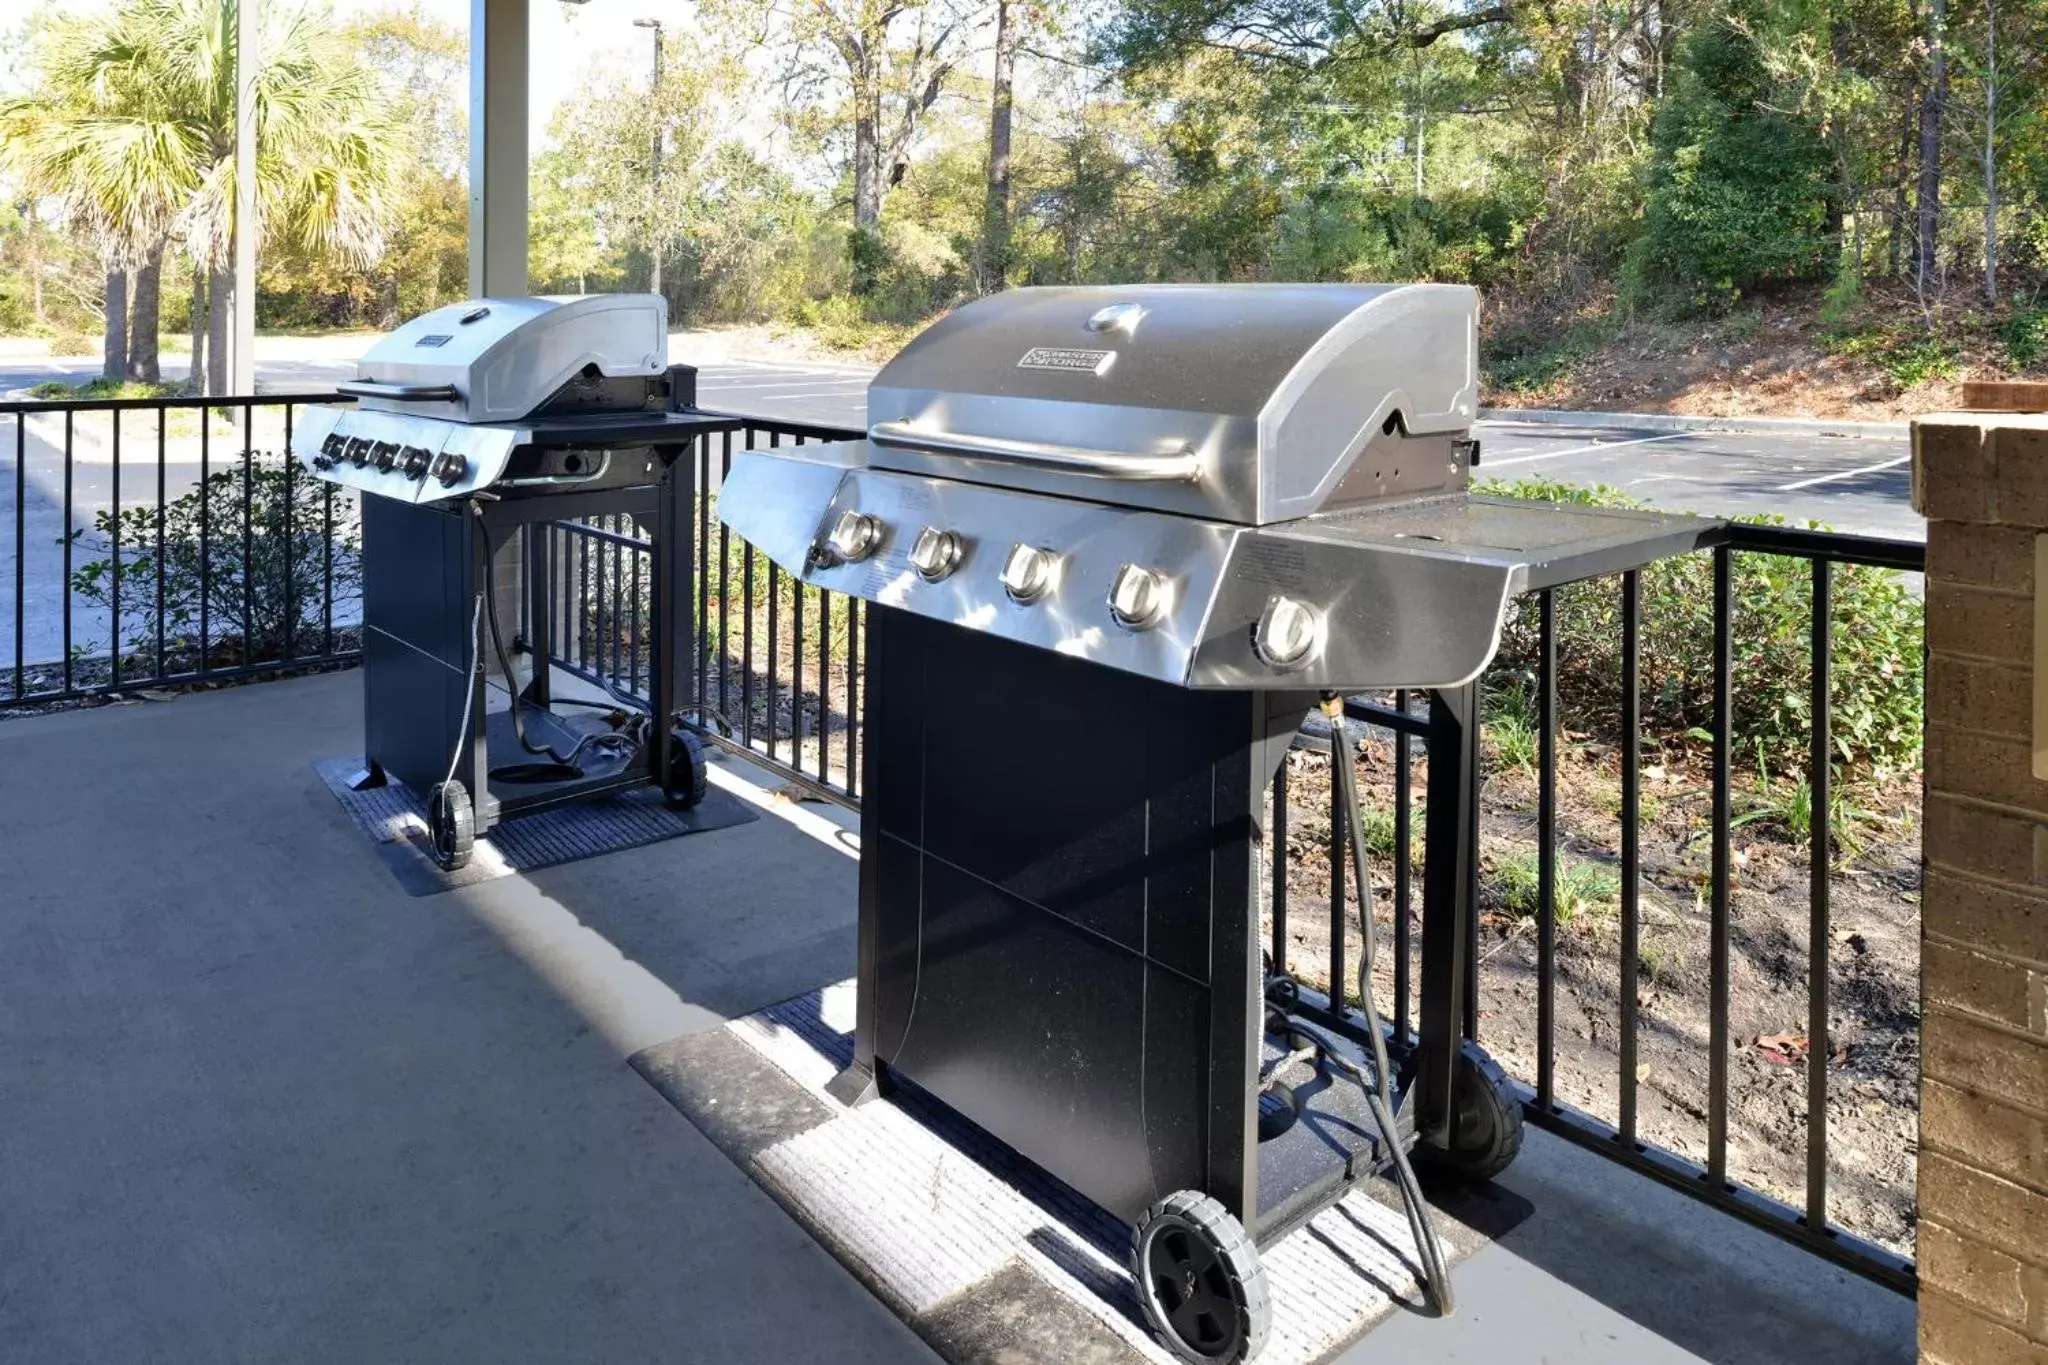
654 159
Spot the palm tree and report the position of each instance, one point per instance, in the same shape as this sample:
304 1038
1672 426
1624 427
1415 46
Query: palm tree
133 125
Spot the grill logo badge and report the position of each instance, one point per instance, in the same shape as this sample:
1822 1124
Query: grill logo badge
1068 359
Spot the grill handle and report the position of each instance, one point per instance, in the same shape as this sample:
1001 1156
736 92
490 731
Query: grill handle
398 393
1178 465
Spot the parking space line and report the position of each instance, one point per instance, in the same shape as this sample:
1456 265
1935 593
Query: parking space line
1581 450
1819 479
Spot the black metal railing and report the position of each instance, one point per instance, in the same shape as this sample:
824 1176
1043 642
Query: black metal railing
1396 726
231 564
161 541
776 671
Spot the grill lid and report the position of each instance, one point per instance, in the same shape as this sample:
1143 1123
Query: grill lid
498 360
1245 403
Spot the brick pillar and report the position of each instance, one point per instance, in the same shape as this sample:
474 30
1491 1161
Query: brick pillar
1982 483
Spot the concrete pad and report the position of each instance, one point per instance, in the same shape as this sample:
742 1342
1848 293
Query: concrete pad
1594 1265
260 1105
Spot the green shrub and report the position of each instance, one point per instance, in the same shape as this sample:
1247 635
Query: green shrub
262 596
1877 665
2026 338
1739 188
103 387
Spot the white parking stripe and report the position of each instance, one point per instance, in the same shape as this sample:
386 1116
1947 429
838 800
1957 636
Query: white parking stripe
815 393
1581 450
1819 479
847 385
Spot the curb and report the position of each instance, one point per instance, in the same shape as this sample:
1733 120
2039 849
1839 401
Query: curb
1664 421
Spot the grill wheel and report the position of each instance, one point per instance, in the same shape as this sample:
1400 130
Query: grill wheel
1486 1120
687 781
1199 1281
451 825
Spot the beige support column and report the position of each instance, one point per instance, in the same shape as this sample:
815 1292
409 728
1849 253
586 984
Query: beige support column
1982 482
497 147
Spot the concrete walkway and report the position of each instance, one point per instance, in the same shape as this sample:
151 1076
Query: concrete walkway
257 1104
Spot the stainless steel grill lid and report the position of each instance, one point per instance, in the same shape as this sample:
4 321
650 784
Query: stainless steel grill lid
444 402
1245 403
1245 486
498 360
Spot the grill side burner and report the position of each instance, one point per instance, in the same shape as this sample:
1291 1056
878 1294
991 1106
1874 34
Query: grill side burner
475 425
1121 540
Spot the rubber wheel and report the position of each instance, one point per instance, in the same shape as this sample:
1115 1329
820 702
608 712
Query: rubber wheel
687 781
1199 1280
1486 1120
451 825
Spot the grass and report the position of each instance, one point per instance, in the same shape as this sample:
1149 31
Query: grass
1788 807
1379 832
1583 888
1512 732
104 387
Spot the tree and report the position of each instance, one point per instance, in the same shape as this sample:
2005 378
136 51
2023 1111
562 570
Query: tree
601 169
1740 191
1933 107
888 61
994 256
133 121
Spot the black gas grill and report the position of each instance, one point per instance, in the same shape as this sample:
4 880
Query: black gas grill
475 425
1125 540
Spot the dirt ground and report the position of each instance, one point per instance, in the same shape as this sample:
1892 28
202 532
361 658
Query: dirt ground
1782 355
1872 1049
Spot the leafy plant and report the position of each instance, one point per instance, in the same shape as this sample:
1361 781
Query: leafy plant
246 554
1877 663
2026 338
1907 357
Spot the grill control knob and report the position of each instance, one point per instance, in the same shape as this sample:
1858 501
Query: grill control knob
450 468
359 451
1027 572
1288 633
854 536
935 554
1137 596
414 461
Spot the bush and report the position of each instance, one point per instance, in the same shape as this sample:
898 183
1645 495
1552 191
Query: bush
263 595
104 387
1878 688
2026 338
1739 190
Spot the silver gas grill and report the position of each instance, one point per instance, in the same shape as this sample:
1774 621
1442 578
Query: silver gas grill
1122 541
501 394
474 427
1211 485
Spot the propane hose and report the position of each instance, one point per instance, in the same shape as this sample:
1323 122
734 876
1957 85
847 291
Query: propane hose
1379 1095
489 599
